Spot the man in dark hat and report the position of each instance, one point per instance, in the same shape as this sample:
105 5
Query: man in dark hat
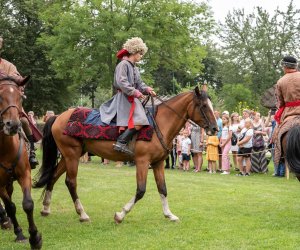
288 91
8 69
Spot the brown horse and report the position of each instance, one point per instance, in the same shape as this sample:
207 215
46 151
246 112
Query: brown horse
171 117
14 162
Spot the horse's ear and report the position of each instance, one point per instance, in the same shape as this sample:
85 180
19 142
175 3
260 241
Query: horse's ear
197 91
24 81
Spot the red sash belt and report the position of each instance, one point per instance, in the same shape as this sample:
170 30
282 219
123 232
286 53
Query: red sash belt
279 112
131 111
130 120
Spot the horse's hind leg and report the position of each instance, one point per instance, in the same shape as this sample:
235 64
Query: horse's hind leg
10 208
71 183
158 170
35 238
61 168
4 220
141 177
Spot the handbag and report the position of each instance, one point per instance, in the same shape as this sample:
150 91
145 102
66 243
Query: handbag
234 139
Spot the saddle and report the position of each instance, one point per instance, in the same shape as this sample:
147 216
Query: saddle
85 123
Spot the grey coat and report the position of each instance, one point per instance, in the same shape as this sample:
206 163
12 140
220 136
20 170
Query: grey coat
126 80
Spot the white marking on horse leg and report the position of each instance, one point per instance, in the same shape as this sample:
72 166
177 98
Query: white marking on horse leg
80 210
119 216
166 209
46 203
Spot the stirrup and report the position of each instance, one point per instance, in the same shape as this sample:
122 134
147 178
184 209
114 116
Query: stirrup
120 147
33 160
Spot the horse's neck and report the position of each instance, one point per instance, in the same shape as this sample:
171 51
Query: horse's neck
168 121
6 144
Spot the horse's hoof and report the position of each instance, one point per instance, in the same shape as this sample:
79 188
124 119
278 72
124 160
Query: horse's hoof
37 242
6 225
45 213
21 239
85 219
172 218
117 218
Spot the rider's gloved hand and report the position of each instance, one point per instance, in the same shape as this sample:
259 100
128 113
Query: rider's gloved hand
150 91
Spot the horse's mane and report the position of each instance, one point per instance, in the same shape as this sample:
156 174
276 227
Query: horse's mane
168 99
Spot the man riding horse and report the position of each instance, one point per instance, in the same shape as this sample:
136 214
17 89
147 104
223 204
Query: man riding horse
8 69
125 106
288 91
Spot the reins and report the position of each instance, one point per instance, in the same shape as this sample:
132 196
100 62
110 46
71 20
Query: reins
181 117
156 127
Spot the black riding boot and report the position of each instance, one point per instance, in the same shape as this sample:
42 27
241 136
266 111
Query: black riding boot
32 158
123 139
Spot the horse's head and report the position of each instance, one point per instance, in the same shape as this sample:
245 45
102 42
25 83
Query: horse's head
10 106
201 111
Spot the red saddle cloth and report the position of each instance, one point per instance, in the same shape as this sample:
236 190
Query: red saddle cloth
79 128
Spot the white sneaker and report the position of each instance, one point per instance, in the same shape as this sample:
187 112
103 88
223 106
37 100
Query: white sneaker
225 172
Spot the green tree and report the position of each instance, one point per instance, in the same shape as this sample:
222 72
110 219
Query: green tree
20 27
85 38
254 44
233 94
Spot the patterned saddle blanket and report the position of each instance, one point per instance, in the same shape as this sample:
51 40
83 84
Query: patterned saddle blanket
284 128
85 123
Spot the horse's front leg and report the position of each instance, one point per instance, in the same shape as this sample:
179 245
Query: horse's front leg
71 183
141 178
159 174
10 208
4 220
35 238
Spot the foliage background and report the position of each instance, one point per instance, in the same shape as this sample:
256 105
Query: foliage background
69 48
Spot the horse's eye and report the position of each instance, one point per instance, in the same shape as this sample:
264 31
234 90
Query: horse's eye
204 106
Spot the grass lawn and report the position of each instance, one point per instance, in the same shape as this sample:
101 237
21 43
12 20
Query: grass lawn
216 212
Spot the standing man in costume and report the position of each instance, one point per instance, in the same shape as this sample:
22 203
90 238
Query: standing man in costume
288 91
125 105
8 69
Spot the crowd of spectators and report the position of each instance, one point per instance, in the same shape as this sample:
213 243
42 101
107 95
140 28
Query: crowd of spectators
242 144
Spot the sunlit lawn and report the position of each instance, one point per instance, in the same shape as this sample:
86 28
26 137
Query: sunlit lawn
216 212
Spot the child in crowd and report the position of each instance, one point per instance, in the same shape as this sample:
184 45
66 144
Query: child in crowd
225 143
245 148
186 151
212 152
178 148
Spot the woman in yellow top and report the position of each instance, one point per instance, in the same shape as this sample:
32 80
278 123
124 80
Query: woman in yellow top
212 152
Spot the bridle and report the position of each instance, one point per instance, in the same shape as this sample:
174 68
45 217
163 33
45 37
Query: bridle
10 170
195 97
156 127
4 110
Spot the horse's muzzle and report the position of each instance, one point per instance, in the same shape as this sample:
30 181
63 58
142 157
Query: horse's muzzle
11 127
211 130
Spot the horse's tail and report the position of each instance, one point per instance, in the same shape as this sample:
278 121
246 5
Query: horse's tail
49 162
293 149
